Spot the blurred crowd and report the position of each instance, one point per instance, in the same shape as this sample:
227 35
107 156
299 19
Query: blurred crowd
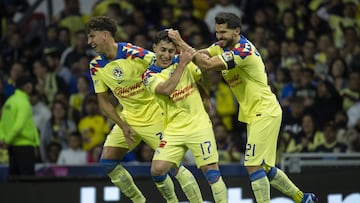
311 50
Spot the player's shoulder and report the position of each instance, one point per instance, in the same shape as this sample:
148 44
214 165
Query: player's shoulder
150 72
130 51
153 69
244 48
98 61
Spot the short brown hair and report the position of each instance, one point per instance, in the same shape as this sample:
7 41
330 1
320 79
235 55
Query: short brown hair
102 23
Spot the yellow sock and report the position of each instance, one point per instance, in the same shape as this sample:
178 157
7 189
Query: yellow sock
260 186
189 185
219 191
121 178
167 190
298 196
281 182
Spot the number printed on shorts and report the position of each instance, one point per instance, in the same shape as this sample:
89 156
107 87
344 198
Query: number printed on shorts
205 147
250 149
160 135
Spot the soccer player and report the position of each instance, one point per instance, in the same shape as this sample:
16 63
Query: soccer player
173 81
243 69
119 68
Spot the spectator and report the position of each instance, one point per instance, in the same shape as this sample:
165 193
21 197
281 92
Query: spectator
346 16
291 53
259 38
353 114
53 150
289 27
308 138
292 117
41 112
188 13
354 135
344 134
317 24
71 18
74 53
167 19
57 77
74 155
64 37
331 143
57 129
289 89
18 130
282 78
13 48
307 88
308 54
16 70
327 102
325 54
80 68
40 71
351 93
351 47
52 38
76 99
93 126
338 73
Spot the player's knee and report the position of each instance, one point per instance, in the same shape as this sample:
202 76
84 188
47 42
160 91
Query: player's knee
160 168
159 178
109 164
257 175
212 176
272 172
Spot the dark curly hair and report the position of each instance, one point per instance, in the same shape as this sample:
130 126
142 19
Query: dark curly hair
102 23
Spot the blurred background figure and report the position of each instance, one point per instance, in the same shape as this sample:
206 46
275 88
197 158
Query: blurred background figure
18 130
74 155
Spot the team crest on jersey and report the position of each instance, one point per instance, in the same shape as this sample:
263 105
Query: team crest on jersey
227 56
118 73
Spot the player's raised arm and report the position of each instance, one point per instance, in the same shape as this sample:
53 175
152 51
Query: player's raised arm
168 87
202 58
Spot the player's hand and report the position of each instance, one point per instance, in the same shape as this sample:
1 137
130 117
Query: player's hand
187 56
129 134
174 35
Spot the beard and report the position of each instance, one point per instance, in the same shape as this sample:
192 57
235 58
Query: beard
226 43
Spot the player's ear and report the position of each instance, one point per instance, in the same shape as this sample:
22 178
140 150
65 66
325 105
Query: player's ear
237 31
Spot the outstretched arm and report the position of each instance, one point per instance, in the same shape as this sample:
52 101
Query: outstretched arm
202 58
168 87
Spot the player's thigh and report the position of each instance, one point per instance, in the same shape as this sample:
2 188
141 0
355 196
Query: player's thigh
116 139
151 134
262 138
171 149
203 146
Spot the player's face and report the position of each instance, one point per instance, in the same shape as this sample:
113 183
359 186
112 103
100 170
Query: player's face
96 40
164 52
227 37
